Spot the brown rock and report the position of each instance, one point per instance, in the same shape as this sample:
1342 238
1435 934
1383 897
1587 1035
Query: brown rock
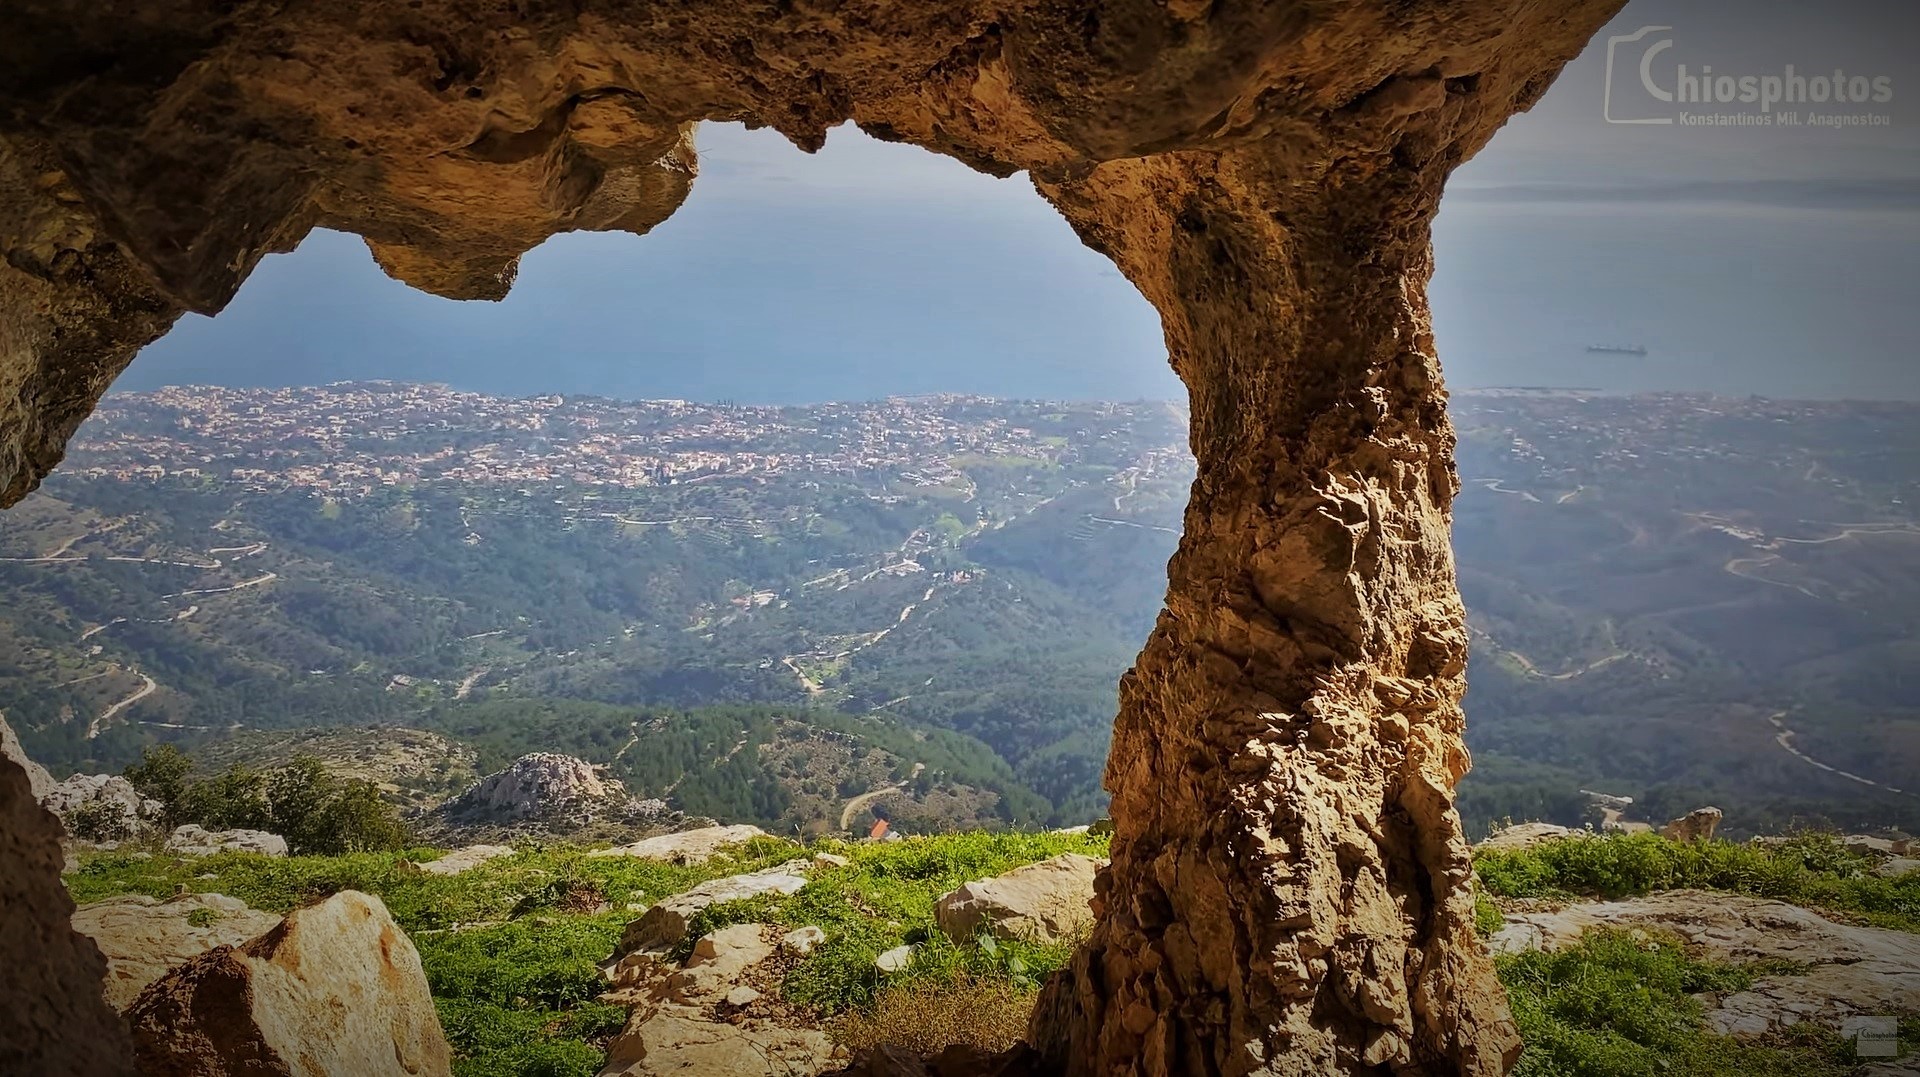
144 939
1697 825
1527 835
335 989
1289 884
54 1022
38 780
1042 902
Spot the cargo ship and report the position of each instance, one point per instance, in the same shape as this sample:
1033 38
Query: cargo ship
1618 349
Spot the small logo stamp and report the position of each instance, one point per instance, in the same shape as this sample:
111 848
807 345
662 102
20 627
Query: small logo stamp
1648 82
1873 1037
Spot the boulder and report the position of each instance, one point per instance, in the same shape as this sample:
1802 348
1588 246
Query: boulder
335 989
192 839
1043 902
144 939
462 860
1849 970
38 780
688 846
897 959
1697 825
664 924
802 940
1527 835
1899 865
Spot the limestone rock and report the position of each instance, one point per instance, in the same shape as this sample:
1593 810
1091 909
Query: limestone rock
335 989
802 940
144 939
548 791
54 1021
897 959
463 860
703 1018
192 839
10 747
1043 902
687 846
111 791
1697 825
1527 835
1853 970
1899 865
665 923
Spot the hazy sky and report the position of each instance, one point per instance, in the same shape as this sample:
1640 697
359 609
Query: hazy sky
1774 260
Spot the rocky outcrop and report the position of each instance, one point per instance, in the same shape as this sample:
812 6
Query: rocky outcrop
543 790
688 846
1527 835
144 939
1043 902
1697 825
665 924
54 1021
335 989
719 1014
38 780
103 806
1290 885
192 839
1841 970
464 860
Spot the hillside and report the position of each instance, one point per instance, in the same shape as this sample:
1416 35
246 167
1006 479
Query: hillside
761 613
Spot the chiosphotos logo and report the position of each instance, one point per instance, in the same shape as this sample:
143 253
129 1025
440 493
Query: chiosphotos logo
1648 84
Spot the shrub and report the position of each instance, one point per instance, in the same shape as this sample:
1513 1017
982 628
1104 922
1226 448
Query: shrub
164 775
926 1017
100 821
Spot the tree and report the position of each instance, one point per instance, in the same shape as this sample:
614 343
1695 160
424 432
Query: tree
163 774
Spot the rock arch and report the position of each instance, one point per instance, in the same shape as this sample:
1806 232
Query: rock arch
1288 891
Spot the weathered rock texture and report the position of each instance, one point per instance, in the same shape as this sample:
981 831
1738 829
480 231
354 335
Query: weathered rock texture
144 939
54 1021
688 846
1288 890
192 839
550 791
665 924
39 782
1043 902
335 990
709 1017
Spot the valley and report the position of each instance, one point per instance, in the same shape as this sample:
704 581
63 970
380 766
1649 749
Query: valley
765 613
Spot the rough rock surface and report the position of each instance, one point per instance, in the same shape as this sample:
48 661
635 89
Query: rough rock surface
1697 825
335 989
144 939
1527 835
1290 885
38 780
687 846
666 923
1042 902
80 790
54 1021
703 1019
192 839
464 860
1852 970
556 791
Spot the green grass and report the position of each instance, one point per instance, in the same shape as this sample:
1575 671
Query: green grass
1619 1004
512 948
512 955
1813 870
